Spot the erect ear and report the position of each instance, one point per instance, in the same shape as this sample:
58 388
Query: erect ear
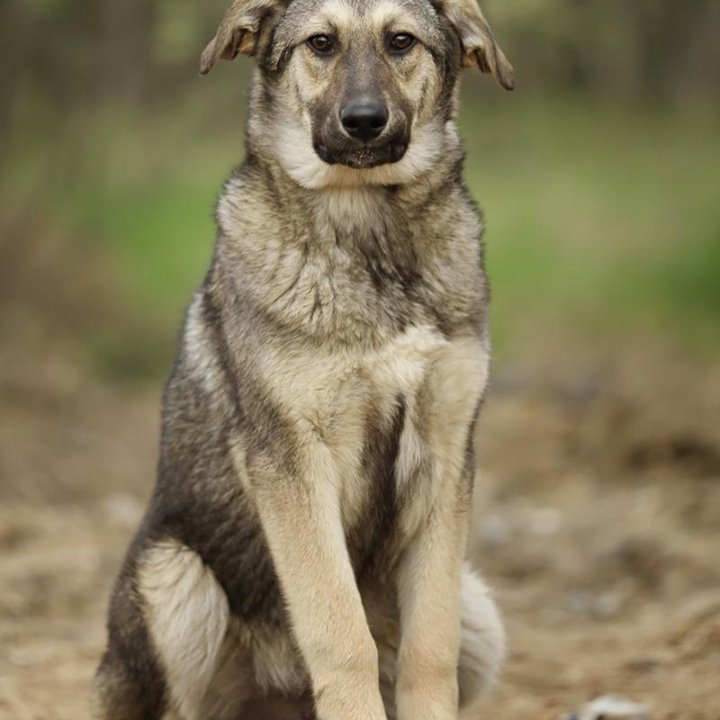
480 48
238 31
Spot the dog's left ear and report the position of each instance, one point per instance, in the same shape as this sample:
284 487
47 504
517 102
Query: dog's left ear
238 32
480 49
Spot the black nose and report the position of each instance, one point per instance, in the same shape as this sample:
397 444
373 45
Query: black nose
364 120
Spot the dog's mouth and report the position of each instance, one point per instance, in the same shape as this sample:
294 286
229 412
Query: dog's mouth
362 157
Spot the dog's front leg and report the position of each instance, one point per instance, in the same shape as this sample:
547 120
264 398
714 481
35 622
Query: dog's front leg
429 578
300 515
429 593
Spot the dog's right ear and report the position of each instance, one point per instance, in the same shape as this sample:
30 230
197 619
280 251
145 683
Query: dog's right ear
238 31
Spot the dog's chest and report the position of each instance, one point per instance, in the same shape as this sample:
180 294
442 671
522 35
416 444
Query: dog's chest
377 419
391 487
354 287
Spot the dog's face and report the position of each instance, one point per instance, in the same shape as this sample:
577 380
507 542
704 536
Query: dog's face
361 74
356 91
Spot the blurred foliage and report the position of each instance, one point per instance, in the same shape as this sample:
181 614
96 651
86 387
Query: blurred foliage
82 54
643 51
599 175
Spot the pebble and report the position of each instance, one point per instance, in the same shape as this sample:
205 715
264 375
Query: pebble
610 707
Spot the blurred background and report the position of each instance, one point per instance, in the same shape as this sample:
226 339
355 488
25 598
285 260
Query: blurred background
598 518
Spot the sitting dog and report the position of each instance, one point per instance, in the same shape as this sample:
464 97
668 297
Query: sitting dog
303 552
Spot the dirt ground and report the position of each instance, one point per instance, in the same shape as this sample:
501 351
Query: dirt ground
598 525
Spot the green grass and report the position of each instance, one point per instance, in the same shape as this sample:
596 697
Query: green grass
602 223
605 222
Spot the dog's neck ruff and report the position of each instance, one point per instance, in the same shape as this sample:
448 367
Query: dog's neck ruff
353 212
347 266
316 196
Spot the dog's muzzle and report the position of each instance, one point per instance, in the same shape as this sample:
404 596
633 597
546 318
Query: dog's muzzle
362 135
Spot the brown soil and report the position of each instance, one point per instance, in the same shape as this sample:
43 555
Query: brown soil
598 524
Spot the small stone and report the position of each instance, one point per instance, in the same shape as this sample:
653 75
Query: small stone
609 707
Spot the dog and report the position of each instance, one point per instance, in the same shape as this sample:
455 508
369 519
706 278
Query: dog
302 555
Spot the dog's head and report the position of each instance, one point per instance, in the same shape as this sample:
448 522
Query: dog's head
356 91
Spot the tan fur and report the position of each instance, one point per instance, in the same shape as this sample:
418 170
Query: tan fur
303 554
188 618
482 646
305 536
237 33
442 380
430 575
307 169
479 44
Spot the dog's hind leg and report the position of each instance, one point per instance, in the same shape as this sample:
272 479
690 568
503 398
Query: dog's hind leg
187 616
130 683
168 629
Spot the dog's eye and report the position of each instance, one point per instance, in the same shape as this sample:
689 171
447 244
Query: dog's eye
400 43
321 44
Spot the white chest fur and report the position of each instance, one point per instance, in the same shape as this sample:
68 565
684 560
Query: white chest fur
327 392
330 396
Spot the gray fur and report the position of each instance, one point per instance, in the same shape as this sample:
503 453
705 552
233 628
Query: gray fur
301 272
